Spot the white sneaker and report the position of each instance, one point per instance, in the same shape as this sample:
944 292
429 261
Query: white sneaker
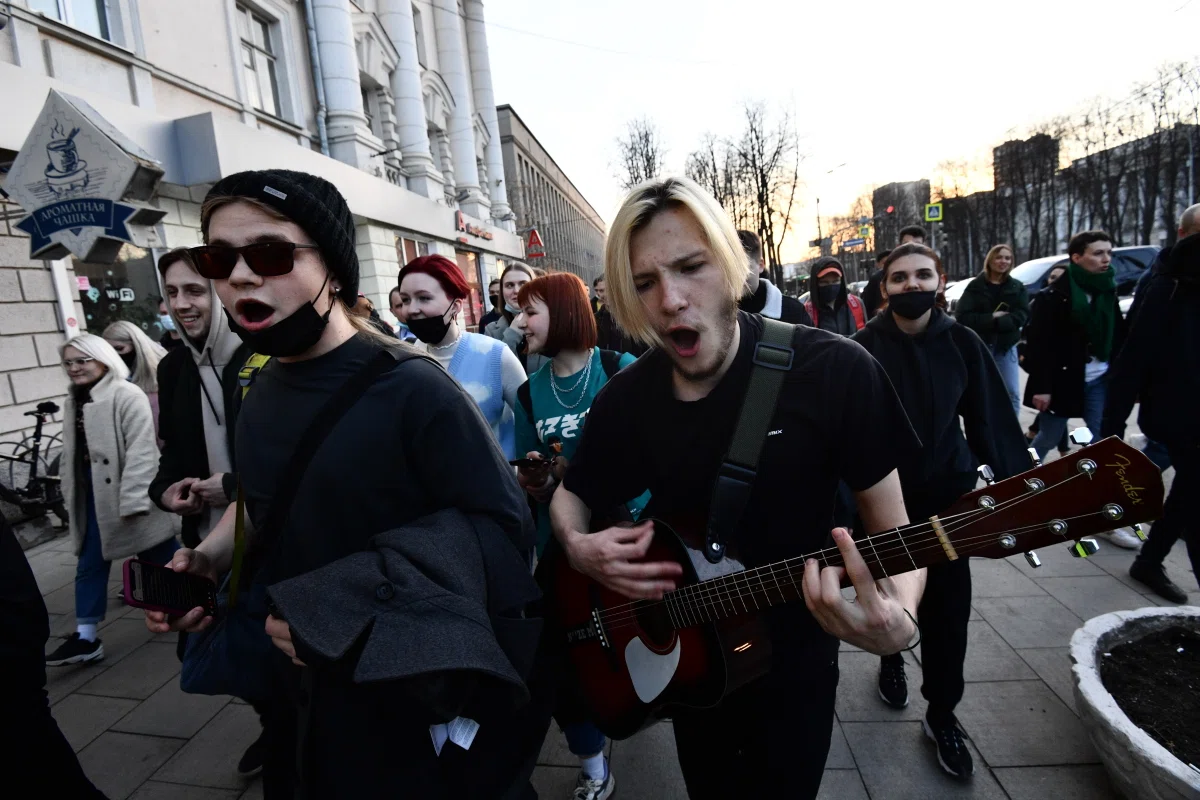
588 789
1122 537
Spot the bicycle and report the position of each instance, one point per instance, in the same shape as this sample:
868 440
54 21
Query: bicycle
42 491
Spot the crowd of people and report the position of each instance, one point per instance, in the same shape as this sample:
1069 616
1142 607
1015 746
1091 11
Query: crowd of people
406 490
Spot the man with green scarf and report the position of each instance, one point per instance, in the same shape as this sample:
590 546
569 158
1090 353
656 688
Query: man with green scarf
1075 330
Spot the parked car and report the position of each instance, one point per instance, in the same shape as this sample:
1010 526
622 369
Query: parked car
857 287
1128 264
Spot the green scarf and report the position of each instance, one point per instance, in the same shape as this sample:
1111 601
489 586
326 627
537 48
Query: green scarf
1098 316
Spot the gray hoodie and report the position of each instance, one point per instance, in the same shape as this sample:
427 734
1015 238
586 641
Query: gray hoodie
211 357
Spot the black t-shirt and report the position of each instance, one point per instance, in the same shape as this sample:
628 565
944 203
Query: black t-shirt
994 292
838 417
400 453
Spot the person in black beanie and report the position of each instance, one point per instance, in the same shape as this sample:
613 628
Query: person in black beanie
346 719
34 736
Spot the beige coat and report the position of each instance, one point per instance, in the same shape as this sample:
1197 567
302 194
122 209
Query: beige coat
121 444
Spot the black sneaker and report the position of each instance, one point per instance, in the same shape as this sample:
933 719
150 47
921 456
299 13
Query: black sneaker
1154 576
252 760
75 650
952 750
893 685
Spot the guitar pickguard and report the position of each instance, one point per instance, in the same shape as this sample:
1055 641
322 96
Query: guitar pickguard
649 671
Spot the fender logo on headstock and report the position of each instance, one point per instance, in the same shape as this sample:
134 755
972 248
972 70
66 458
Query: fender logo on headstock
1131 491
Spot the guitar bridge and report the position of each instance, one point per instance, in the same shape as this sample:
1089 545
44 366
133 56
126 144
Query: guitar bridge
594 629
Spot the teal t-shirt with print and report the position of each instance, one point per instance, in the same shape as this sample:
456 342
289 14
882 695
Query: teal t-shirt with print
561 414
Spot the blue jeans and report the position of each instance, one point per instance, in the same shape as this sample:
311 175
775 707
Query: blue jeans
1157 453
91 571
583 739
1010 372
1051 426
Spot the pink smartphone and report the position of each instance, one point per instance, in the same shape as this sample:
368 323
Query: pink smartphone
157 588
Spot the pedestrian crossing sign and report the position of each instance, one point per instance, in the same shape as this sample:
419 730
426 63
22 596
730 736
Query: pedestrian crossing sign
933 212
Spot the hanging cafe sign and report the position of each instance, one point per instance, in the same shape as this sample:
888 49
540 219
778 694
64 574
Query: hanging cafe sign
85 185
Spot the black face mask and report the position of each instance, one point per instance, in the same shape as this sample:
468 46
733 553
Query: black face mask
495 300
292 335
130 359
829 294
431 330
911 305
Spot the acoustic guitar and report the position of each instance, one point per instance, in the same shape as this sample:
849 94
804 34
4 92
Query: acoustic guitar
637 660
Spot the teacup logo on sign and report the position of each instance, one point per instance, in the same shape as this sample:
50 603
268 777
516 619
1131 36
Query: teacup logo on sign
71 176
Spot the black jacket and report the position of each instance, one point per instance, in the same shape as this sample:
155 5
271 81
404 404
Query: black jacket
942 375
610 336
872 297
792 310
455 582
24 625
976 306
181 426
1160 362
1057 350
841 320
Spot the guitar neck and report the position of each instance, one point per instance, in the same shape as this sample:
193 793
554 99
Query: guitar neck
888 553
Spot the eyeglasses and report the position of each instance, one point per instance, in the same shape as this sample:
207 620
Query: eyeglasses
76 362
267 259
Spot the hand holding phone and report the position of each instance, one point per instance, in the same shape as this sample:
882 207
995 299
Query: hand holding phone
162 589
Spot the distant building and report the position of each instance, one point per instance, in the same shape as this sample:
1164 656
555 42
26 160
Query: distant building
906 201
543 197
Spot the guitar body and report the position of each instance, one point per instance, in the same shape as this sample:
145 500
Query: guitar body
634 667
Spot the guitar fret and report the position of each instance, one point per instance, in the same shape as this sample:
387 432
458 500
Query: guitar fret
763 586
906 550
878 560
667 599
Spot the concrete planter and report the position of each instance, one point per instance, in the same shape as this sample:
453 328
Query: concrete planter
1138 766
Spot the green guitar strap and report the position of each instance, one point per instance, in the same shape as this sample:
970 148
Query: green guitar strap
773 357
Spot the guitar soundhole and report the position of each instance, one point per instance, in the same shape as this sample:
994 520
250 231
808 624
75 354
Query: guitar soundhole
657 631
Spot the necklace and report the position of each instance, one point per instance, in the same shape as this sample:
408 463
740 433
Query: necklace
584 375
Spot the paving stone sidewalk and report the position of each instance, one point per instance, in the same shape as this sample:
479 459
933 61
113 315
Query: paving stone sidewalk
138 736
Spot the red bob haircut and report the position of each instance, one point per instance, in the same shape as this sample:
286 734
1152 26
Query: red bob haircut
445 271
572 324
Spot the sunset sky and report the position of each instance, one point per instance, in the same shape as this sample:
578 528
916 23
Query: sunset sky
889 89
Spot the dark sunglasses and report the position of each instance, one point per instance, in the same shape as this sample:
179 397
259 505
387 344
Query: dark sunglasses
267 259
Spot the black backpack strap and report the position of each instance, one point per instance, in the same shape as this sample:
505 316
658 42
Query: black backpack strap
610 360
526 400
773 357
289 481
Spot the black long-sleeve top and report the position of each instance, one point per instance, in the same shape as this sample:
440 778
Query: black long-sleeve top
943 375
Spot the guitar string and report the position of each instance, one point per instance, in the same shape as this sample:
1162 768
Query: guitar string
700 591
792 583
716 593
728 595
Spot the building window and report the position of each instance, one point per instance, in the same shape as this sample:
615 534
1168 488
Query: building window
258 61
419 30
367 104
89 16
408 249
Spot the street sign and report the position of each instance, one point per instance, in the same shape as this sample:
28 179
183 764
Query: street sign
534 247
853 242
933 212
864 231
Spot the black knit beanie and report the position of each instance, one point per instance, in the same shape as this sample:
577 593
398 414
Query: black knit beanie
314 204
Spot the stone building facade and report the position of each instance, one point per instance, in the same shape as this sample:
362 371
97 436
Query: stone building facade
391 100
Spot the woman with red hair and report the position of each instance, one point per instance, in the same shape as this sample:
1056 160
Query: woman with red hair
557 321
432 293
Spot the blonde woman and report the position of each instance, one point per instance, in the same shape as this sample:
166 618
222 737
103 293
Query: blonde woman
996 306
110 458
515 275
141 356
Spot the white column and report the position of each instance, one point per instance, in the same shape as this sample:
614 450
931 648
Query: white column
343 92
412 128
485 102
453 65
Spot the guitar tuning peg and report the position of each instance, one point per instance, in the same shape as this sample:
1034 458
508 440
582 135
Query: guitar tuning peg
1138 532
1082 436
985 472
1033 560
1084 548
1033 456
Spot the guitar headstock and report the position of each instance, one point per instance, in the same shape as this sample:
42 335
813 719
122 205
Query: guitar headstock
1103 486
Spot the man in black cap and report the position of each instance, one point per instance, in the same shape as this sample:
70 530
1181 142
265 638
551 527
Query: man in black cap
830 303
280 251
